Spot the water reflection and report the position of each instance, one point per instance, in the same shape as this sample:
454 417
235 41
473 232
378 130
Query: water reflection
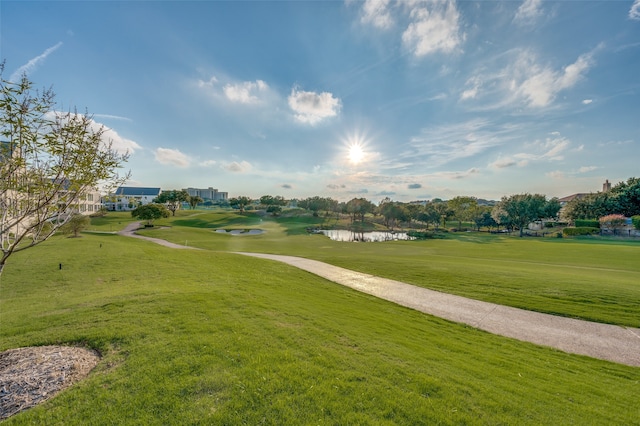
367 237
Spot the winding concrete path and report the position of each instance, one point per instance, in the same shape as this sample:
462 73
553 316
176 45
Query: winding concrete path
596 340
603 341
131 228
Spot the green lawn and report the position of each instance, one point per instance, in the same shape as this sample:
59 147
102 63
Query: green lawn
206 337
596 280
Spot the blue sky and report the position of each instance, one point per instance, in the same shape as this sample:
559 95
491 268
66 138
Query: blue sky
408 100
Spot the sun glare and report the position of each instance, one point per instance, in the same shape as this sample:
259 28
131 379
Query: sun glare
356 154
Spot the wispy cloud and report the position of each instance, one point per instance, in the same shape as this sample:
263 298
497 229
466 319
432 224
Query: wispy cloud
32 65
434 27
112 117
634 12
172 157
587 169
238 167
439 145
311 107
376 13
528 12
525 81
414 186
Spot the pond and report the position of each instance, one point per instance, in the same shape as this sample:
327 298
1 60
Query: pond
241 231
367 237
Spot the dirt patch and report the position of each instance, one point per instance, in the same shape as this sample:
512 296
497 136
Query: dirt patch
30 376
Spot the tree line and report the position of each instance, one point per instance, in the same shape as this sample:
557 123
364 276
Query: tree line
514 212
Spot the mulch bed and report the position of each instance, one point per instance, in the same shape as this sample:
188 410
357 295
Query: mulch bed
30 376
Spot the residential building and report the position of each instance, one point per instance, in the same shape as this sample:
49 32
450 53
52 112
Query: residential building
127 198
208 194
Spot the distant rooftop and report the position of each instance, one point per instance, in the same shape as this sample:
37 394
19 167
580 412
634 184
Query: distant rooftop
137 191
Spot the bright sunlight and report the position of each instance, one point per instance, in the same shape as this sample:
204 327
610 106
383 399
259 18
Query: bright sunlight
356 154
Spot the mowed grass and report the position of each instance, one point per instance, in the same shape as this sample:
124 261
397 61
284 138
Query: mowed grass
201 337
596 280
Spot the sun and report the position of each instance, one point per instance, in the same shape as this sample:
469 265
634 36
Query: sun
356 153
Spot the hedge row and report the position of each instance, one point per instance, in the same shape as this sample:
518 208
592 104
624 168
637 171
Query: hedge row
590 223
583 230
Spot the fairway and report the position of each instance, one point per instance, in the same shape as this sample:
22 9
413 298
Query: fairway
206 337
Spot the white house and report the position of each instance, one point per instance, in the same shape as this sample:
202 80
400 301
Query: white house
127 198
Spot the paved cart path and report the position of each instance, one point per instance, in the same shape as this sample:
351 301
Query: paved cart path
603 341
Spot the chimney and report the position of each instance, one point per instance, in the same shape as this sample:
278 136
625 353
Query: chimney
606 186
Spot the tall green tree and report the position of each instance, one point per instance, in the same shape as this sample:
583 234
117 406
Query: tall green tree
240 202
150 212
317 204
76 224
464 209
172 199
358 208
194 200
392 212
48 160
522 209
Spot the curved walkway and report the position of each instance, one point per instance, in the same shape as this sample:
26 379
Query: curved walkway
603 341
131 228
596 340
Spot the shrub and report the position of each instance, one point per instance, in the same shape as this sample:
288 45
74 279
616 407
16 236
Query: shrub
592 223
584 230
636 221
424 235
612 220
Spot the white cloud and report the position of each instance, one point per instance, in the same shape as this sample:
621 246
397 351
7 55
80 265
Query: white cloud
634 12
528 12
554 148
240 92
238 167
118 143
172 157
587 101
248 92
433 29
524 80
557 174
109 136
586 169
503 162
376 13
31 66
538 86
474 82
312 107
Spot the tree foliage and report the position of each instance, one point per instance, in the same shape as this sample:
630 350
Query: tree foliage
521 209
172 198
623 198
358 208
240 202
76 224
48 160
465 209
150 212
392 212
194 200
317 204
